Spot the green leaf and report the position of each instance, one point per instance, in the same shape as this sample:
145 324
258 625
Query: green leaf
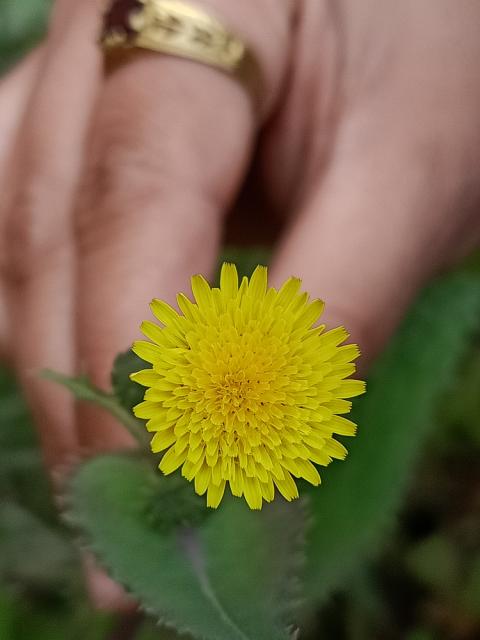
83 389
173 504
7 617
16 430
461 407
18 443
470 596
128 392
151 631
420 634
43 619
22 24
32 553
360 496
245 260
232 578
436 562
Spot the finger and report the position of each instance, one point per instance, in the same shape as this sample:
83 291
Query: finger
15 90
106 594
170 146
39 260
371 234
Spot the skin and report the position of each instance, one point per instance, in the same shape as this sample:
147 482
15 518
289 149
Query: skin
115 189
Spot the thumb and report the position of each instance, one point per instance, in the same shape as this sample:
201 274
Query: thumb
367 238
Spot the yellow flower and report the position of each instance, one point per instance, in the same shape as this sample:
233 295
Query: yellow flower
244 389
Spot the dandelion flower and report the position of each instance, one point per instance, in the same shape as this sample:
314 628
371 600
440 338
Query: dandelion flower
244 388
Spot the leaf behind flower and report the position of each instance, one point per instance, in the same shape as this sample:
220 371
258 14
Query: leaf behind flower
359 499
233 577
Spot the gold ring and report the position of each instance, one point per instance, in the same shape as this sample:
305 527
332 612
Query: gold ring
178 28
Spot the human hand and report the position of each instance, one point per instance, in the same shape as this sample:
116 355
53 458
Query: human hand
116 189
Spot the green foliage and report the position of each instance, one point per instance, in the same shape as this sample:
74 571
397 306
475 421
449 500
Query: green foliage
41 595
441 564
232 578
20 619
32 552
246 261
360 497
462 405
420 634
435 561
234 573
350 512
7 613
22 24
83 389
127 392
25 503
152 631
173 504
471 593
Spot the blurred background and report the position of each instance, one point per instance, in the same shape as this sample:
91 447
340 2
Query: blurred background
424 583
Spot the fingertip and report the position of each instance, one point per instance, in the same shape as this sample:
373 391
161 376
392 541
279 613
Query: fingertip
104 593
99 432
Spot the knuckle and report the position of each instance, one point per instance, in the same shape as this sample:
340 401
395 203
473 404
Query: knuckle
117 189
121 172
127 189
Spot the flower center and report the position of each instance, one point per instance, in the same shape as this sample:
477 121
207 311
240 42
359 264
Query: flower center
242 385
234 391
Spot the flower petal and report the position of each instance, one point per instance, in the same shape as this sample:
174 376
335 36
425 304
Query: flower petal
253 493
202 292
202 479
246 388
171 461
229 280
147 351
287 487
146 377
215 494
258 283
350 388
